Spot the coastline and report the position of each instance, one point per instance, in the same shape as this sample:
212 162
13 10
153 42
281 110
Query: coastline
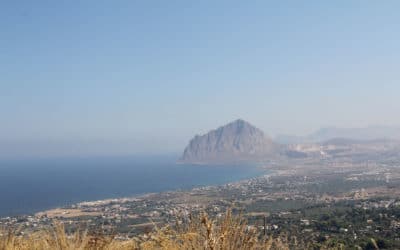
70 211
261 171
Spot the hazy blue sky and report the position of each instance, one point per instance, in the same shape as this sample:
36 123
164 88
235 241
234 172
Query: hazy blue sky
118 77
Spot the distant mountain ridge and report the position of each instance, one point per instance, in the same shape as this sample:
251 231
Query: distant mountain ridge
235 142
362 134
241 142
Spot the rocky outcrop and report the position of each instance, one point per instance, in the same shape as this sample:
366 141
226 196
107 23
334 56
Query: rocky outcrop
238 141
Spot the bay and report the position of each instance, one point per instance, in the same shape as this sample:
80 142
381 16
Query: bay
31 185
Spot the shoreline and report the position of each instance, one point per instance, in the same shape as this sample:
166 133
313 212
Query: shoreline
65 210
264 171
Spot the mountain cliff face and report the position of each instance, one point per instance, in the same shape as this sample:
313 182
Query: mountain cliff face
237 141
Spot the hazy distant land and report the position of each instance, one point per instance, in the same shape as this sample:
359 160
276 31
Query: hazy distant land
241 142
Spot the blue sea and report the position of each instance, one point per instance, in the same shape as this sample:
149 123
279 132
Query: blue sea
29 186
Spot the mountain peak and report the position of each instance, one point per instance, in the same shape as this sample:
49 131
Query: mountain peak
235 141
239 126
239 123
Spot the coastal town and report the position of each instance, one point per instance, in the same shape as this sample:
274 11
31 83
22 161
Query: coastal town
317 198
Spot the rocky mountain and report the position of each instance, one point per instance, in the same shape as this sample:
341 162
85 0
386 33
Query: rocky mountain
238 141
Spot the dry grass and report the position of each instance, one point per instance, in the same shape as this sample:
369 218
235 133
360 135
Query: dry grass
196 232
200 232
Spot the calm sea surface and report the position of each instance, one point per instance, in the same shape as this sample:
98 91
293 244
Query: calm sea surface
28 186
